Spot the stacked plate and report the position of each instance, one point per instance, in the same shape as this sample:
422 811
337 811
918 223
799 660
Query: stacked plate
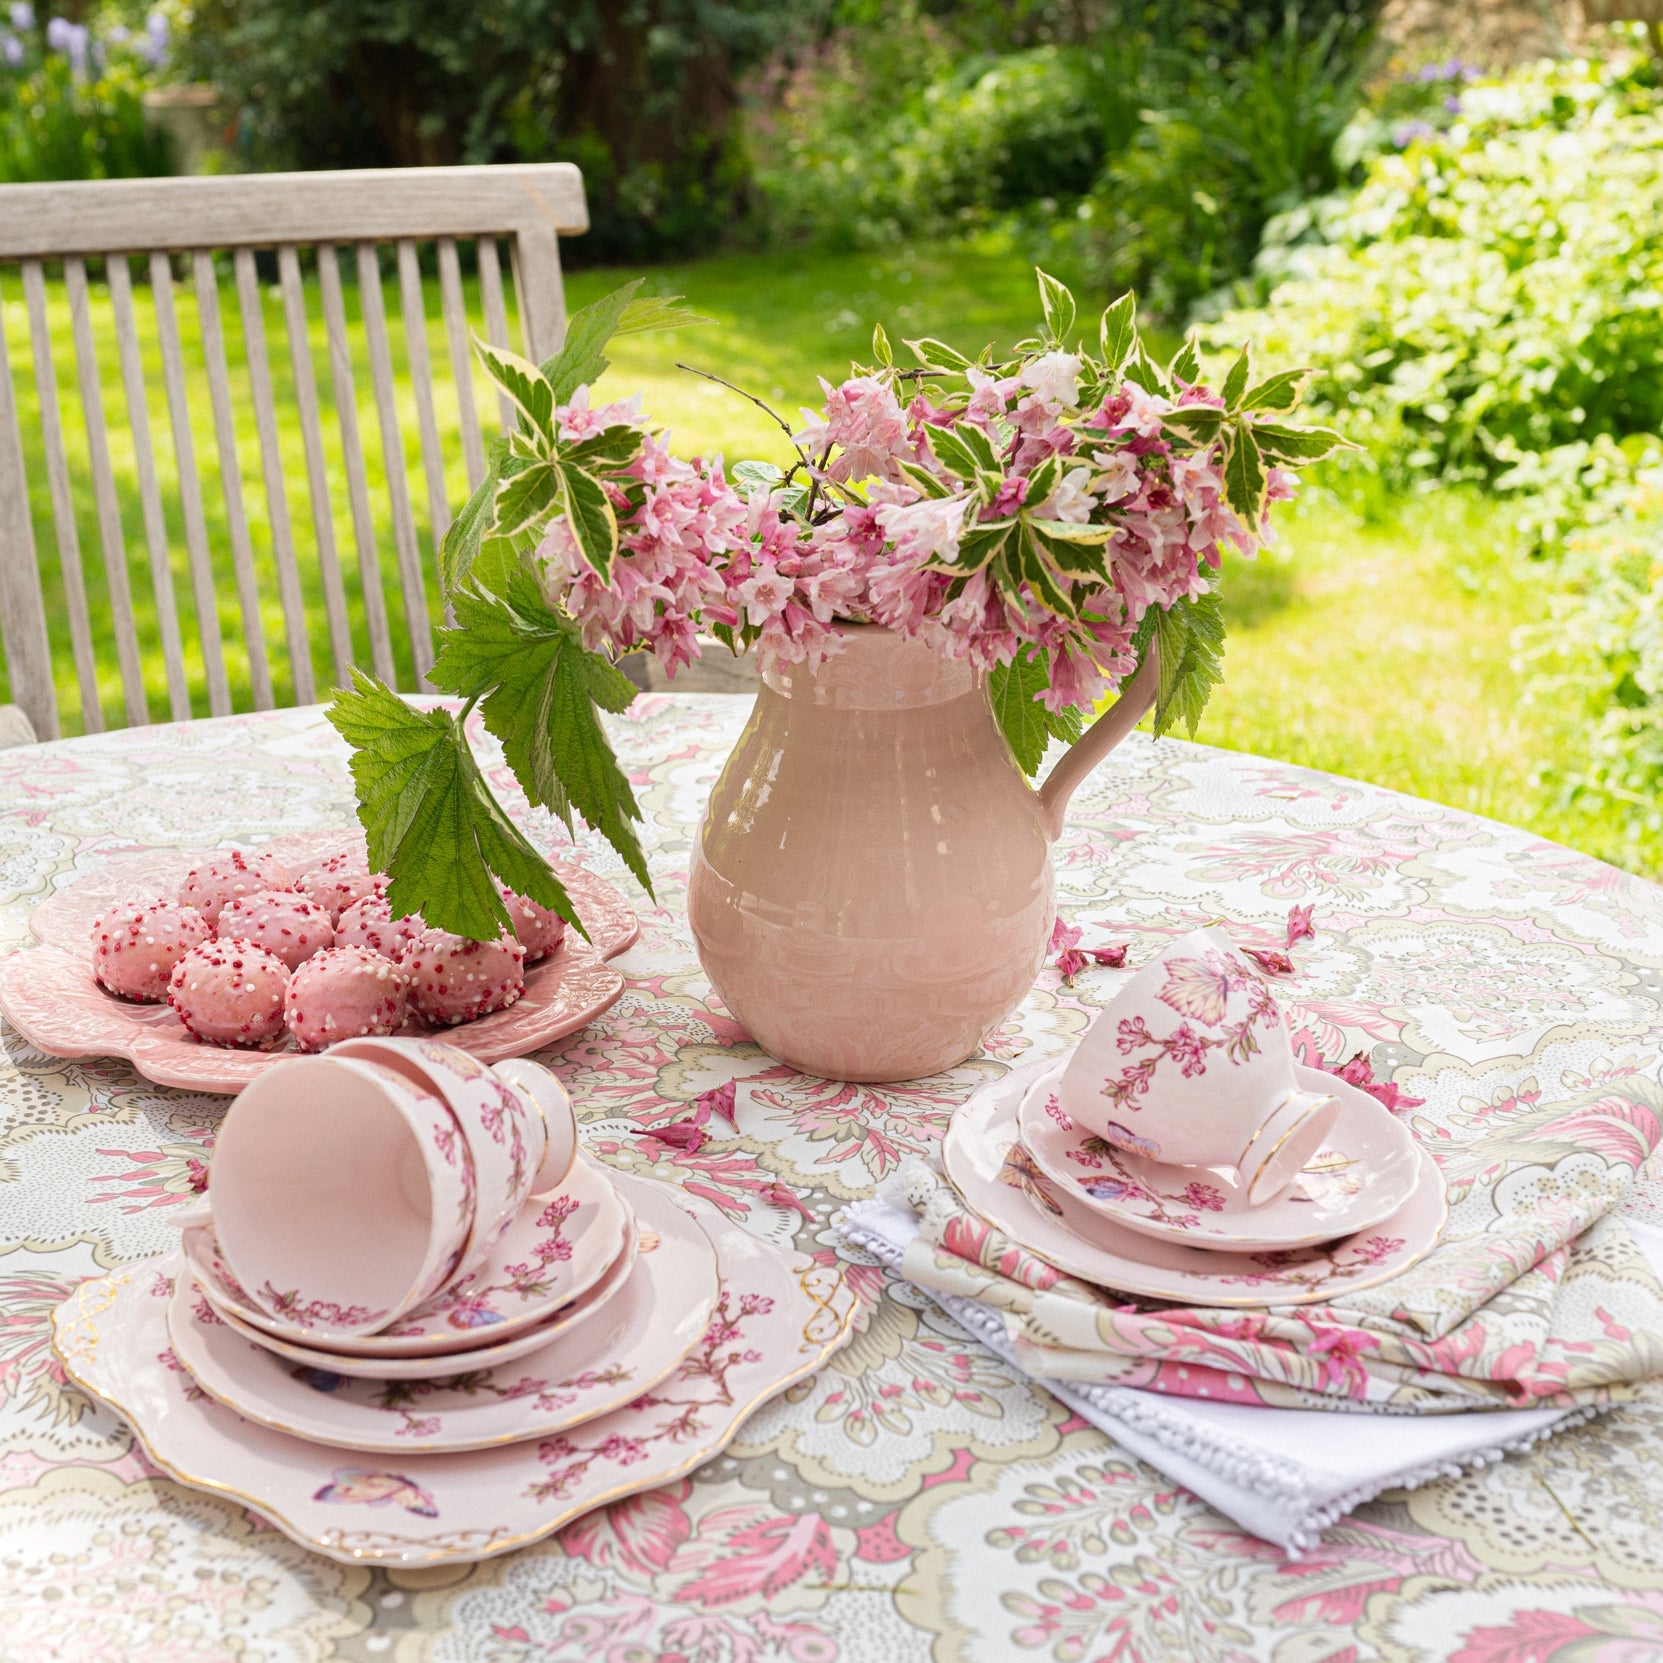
1367 1204
613 1336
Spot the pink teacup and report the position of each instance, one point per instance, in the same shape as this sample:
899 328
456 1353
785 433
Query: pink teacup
1191 1065
522 1142
342 1195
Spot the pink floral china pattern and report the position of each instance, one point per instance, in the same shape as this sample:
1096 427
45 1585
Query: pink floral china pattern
642 1335
776 1317
999 1181
558 1247
49 995
565 1321
914 1499
1362 1176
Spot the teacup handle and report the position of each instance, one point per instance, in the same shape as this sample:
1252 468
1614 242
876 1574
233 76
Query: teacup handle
190 1216
546 1091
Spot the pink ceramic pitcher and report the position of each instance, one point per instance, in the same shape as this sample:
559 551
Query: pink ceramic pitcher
872 889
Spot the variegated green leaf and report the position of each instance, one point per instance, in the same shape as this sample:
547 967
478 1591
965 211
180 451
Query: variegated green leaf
1235 381
1298 444
1277 392
1118 332
523 382
1058 306
594 525
1244 477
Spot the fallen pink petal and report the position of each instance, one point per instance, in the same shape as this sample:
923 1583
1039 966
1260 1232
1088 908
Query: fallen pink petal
1300 925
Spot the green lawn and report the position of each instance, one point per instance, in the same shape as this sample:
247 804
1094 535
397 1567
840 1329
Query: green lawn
1376 646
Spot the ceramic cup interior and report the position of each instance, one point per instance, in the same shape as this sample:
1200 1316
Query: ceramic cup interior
330 1202
516 1117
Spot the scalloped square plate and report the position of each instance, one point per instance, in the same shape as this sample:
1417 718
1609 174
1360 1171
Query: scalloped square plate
47 993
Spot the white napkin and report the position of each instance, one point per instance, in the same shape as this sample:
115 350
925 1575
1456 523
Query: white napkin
1283 1474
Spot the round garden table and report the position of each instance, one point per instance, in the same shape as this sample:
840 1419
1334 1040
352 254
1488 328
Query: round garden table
916 1499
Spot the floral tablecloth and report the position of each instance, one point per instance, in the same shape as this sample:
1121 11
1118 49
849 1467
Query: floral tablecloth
916 1499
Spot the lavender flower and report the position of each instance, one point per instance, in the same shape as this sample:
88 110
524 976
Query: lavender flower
72 39
11 50
1410 131
153 48
23 16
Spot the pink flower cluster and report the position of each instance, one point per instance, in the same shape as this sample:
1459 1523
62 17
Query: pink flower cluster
696 553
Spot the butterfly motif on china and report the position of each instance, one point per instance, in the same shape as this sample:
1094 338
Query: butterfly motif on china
320 1380
1200 988
472 1313
1019 1171
1134 1143
1113 1189
375 1487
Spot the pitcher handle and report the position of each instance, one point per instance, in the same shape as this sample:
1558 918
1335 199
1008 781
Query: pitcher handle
1136 699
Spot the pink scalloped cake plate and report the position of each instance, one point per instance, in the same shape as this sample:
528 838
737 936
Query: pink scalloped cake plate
998 1180
779 1316
49 996
1365 1171
662 1308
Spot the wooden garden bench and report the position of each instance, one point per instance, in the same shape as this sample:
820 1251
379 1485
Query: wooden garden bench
282 225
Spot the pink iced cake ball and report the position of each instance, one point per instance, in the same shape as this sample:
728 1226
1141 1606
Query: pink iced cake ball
214 884
335 889
230 993
540 930
456 980
281 921
134 948
370 923
344 993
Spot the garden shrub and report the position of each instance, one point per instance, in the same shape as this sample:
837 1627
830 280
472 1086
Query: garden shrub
72 100
1491 292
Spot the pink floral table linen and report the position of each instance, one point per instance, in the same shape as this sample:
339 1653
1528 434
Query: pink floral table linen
918 1498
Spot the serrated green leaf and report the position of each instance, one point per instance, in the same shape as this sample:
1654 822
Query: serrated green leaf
1058 306
881 349
1277 392
1298 444
1190 639
1118 332
1244 477
581 361
1186 364
541 692
1013 691
937 354
461 544
653 312
524 383
594 523
525 500
1235 380
430 820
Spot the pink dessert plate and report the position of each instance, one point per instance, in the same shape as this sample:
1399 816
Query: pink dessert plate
998 1179
645 1332
488 1353
779 1316
48 994
555 1251
1361 1176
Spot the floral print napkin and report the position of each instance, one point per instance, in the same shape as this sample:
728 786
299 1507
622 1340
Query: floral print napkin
1536 1296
